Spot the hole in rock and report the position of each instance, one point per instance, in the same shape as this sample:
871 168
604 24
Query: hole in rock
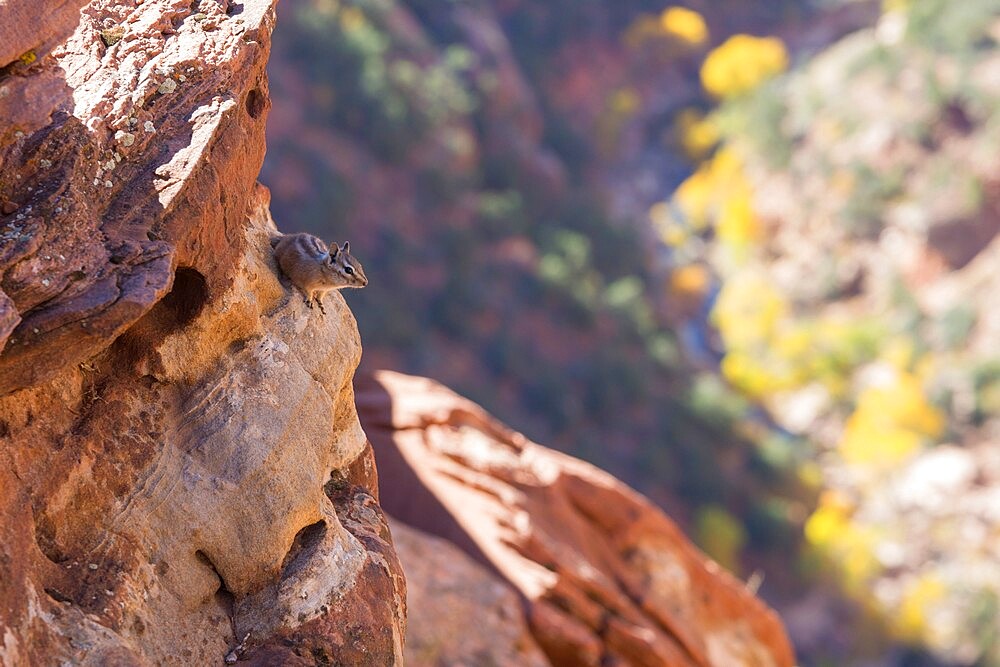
178 308
238 345
45 538
58 595
188 296
234 8
304 543
256 103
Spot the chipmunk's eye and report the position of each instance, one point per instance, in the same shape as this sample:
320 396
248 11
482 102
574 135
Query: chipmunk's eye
348 270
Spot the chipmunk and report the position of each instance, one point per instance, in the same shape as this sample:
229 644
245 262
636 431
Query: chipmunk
314 269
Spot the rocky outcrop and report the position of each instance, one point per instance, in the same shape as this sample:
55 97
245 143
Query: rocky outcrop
606 578
182 472
459 613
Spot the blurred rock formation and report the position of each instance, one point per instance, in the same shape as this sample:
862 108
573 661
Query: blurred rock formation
606 578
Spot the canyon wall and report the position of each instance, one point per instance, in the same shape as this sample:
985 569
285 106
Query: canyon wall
183 473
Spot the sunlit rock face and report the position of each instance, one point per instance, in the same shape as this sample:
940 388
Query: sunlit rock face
605 577
182 472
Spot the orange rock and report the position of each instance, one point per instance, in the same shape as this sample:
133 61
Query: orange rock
458 612
170 411
607 577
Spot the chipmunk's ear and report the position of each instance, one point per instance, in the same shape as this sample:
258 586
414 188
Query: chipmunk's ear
334 251
347 246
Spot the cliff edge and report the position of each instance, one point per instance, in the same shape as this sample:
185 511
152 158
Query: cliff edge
182 473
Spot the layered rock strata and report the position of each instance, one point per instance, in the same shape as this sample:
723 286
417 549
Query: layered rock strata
182 473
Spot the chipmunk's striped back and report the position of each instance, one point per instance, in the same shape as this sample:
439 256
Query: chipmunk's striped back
311 246
314 268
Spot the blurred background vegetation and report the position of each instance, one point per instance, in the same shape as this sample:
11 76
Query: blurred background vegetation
741 254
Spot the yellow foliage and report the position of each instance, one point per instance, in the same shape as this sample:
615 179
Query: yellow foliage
828 522
899 352
856 553
867 443
757 375
770 350
690 280
831 529
890 423
748 314
684 24
675 24
747 311
920 596
810 474
719 191
728 167
696 133
741 63
695 196
896 5
352 18
28 57
903 403
675 235
737 226
673 232
795 343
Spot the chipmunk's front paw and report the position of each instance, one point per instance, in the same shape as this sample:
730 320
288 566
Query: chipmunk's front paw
309 302
321 308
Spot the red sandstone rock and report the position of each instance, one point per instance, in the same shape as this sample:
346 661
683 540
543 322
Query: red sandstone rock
171 413
607 578
9 318
127 161
458 612
29 26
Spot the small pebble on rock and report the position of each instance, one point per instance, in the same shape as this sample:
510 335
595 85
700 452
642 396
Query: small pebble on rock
125 138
